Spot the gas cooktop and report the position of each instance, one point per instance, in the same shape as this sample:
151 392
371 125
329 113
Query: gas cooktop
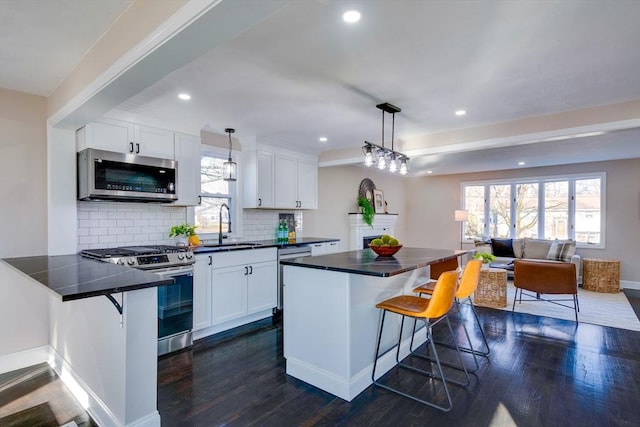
143 257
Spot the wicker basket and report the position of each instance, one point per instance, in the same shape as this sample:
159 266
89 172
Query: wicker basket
601 275
492 288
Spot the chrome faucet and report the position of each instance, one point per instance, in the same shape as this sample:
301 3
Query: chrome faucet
224 205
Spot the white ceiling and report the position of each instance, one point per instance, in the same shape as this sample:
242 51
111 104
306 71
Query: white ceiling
303 73
41 41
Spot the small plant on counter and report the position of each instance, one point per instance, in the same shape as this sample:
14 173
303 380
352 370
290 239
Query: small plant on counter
187 232
367 210
486 258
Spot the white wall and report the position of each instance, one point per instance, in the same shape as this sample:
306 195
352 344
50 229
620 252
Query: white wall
432 200
25 314
23 215
23 174
337 197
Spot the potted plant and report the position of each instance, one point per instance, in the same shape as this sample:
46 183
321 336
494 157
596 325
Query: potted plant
184 233
486 258
367 210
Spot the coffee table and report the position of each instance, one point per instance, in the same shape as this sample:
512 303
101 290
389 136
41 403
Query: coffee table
492 288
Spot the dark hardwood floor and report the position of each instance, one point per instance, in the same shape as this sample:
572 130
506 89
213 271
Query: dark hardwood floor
36 397
542 372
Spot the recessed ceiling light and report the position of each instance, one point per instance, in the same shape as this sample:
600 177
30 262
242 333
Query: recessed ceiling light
351 16
429 171
521 163
184 96
323 139
461 112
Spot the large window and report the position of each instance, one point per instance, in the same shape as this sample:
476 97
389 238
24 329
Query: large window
214 192
548 207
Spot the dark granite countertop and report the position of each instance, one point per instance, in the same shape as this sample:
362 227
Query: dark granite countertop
366 262
261 244
75 277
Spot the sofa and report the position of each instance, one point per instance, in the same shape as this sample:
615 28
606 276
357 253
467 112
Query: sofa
507 251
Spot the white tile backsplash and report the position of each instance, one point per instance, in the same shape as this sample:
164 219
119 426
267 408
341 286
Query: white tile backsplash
110 224
262 224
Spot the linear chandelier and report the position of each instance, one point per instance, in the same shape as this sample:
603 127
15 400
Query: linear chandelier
382 156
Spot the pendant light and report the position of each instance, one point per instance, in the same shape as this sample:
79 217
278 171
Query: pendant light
382 156
229 168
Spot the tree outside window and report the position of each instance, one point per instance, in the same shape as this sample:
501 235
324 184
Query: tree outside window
214 192
540 208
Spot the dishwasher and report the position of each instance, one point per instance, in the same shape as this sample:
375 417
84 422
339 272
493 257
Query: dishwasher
288 253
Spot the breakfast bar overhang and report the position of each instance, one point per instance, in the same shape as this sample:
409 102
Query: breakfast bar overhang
330 318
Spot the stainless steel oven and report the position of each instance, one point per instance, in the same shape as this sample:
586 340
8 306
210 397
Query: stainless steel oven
175 310
175 302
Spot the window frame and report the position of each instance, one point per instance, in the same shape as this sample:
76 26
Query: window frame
541 180
235 193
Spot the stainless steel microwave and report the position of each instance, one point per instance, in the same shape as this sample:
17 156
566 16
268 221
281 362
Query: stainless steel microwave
105 175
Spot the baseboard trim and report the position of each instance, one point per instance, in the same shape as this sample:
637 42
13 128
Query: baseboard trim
23 359
628 284
98 410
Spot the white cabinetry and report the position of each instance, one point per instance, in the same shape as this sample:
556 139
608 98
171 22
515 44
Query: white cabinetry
202 292
307 184
187 154
124 137
274 179
333 247
325 248
296 183
259 179
242 288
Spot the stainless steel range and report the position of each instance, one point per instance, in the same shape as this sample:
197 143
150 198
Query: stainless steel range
175 302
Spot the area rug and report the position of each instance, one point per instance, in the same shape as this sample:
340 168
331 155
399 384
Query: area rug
597 308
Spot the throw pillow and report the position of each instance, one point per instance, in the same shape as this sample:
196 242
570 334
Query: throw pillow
518 247
562 250
502 248
482 246
536 248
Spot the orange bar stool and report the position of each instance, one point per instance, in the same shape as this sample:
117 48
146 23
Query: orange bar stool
468 284
432 311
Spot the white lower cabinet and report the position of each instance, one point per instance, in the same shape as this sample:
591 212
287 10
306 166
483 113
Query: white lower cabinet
202 292
242 288
325 248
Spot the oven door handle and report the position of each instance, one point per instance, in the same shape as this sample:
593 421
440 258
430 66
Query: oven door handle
178 271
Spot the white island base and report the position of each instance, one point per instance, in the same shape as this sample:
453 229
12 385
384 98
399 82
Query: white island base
331 325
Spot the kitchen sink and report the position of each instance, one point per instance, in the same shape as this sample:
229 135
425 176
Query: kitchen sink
237 245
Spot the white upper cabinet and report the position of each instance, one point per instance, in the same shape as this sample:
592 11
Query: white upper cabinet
286 182
258 179
187 154
307 184
153 142
124 137
108 135
279 180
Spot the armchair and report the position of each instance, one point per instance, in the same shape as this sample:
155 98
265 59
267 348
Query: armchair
542 277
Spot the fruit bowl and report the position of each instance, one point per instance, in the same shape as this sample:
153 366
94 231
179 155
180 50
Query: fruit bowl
385 250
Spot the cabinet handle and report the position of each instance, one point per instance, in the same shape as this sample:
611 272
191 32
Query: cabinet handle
131 147
199 200
259 202
137 148
210 260
251 269
246 270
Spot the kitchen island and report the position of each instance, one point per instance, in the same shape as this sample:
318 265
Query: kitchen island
102 333
330 318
